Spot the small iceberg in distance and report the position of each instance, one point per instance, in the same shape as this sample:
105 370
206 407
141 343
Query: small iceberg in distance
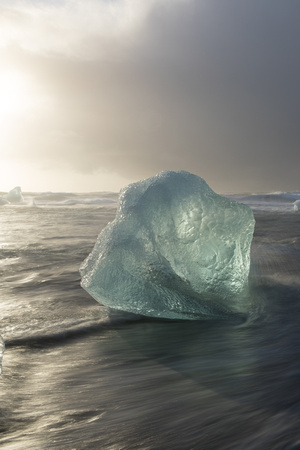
297 205
14 196
176 250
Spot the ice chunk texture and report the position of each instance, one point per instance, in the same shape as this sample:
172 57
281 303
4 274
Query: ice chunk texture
176 249
15 195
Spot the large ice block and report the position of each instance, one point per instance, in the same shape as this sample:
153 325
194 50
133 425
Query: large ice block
176 249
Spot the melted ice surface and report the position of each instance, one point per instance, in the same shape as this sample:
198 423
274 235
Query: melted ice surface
176 249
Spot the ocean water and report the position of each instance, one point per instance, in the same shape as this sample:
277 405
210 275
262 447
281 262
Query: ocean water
76 375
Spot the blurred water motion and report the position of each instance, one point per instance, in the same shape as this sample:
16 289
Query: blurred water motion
77 375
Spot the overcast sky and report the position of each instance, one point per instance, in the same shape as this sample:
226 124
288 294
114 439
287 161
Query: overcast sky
95 94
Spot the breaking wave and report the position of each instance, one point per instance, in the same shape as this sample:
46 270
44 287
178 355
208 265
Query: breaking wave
269 202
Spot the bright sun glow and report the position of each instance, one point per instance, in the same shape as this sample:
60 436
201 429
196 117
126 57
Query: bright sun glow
15 95
20 103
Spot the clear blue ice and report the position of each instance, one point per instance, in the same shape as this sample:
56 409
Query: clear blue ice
176 249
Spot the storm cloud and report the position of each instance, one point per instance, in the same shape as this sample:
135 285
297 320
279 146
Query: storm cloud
208 86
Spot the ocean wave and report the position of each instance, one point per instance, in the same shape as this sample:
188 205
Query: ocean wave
57 334
273 201
2 348
63 199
